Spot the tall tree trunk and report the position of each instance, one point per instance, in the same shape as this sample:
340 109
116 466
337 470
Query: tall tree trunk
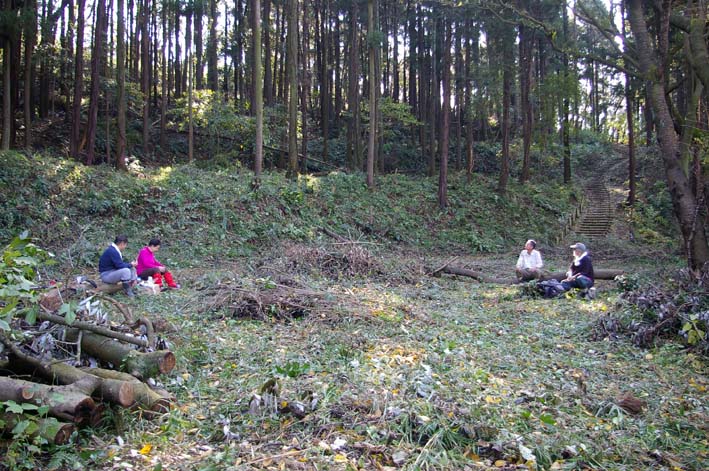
268 73
469 117
507 60
212 58
278 58
66 42
6 93
121 89
145 73
373 50
412 61
565 101
78 83
432 100
96 56
686 207
631 140
305 88
30 35
178 53
337 85
292 60
459 91
190 90
198 43
236 55
629 105
396 91
445 125
526 41
189 56
378 159
353 148
226 46
324 82
163 78
258 93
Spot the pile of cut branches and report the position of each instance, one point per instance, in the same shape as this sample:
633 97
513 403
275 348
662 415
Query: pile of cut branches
266 300
651 310
343 258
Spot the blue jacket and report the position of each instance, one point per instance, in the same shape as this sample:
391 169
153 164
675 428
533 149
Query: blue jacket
111 260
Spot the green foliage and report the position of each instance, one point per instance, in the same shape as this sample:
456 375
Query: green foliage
229 132
18 270
27 445
292 369
78 209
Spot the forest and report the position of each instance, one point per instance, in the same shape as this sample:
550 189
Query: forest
341 189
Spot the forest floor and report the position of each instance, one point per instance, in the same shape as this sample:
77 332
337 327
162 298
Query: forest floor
349 357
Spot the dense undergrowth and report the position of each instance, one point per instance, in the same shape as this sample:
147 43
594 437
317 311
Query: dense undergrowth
217 214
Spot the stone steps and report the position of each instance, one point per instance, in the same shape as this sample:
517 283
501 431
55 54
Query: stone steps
597 218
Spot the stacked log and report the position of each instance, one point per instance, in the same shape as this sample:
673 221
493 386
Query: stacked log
76 396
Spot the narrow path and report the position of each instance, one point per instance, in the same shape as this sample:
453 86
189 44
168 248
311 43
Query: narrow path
596 220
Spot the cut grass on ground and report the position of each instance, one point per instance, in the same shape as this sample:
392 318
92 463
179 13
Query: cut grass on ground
425 374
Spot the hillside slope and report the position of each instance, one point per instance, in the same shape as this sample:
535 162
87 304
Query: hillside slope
73 208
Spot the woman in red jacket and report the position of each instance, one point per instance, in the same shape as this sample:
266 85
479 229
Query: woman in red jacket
148 266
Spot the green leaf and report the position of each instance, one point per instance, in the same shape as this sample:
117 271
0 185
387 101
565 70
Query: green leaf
20 428
4 326
547 419
31 315
12 406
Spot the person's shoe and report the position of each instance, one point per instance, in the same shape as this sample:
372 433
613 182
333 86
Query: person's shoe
176 286
127 287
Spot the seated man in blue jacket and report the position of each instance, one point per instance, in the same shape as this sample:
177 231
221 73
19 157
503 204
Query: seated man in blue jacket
580 274
113 269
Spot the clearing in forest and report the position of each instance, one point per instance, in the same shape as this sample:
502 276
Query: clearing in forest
344 356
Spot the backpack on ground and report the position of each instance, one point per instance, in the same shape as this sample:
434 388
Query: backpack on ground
550 288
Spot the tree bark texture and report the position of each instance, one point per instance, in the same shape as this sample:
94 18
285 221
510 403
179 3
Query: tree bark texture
96 57
686 207
50 429
258 92
141 365
599 274
72 403
75 139
292 65
116 391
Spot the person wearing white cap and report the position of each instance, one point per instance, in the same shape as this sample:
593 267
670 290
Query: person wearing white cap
580 274
529 264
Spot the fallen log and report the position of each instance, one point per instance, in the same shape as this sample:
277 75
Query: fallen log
475 275
48 428
47 316
145 396
141 365
111 390
72 402
107 288
599 274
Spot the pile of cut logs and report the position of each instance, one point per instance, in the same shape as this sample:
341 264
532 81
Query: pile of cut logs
55 363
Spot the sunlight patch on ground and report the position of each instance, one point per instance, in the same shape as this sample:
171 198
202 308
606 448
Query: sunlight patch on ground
162 175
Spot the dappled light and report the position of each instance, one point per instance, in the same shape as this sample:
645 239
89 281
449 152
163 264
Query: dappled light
162 175
374 235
